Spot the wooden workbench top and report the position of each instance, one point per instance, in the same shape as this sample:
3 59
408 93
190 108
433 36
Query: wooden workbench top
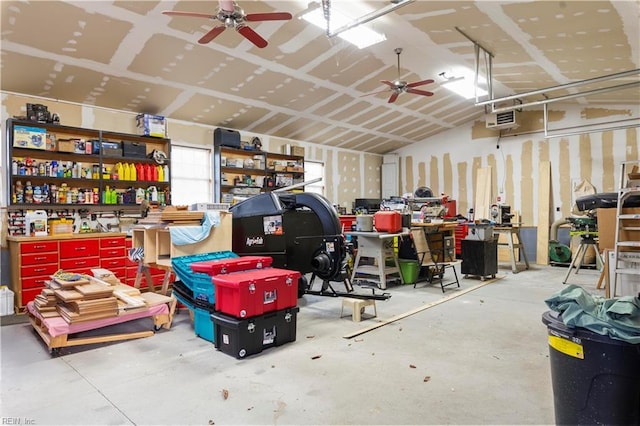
78 236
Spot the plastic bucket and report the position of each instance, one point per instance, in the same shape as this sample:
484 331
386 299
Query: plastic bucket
595 379
409 269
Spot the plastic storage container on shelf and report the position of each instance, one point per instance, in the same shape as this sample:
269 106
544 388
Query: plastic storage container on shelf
228 265
244 337
255 292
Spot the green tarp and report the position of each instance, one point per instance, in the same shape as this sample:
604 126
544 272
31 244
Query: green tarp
618 318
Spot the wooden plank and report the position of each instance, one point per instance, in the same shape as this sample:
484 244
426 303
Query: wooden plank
482 201
422 308
544 213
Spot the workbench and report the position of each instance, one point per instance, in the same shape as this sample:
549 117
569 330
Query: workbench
57 333
374 249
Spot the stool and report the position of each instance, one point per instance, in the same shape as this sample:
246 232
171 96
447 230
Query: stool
357 306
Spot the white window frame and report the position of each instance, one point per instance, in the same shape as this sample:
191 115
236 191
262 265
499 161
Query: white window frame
313 170
179 172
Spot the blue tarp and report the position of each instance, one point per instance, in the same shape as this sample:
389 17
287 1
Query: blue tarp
181 235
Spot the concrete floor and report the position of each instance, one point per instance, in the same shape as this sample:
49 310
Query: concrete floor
484 353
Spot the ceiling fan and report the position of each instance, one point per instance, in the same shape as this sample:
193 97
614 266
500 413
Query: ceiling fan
232 16
400 86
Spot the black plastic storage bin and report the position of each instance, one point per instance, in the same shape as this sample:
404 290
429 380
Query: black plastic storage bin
244 337
596 379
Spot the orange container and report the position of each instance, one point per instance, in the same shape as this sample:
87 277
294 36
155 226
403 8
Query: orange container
387 221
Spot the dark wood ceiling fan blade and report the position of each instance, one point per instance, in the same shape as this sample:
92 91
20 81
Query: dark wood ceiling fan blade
252 36
388 83
213 33
193 14
275 16
419 83
420 92
393 97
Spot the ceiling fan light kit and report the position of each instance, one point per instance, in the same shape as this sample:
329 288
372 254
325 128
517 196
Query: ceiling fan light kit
230 15
400 86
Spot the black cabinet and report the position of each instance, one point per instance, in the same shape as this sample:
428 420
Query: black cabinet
479 258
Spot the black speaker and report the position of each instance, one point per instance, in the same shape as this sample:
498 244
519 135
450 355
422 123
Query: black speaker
226 137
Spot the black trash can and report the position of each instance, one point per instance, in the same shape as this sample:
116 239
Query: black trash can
596 379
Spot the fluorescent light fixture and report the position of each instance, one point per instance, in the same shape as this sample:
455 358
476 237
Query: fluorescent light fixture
360 36
463 85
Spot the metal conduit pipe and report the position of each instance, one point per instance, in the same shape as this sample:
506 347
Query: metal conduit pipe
370 17
565 97
562 86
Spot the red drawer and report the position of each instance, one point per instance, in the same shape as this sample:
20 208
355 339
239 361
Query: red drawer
131 271
112 252
29 295
116 262
253 293
36 270
40 258
132 281
38 247
119 273
76 248
130 263
35 282
158 278
84 262
112 242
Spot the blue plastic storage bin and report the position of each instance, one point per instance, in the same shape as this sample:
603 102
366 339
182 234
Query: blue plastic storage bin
182 267
203 324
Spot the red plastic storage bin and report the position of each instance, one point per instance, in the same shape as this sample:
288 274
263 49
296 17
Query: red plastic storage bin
236 264
251 293
387 221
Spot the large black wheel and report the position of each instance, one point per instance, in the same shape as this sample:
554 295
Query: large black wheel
303 284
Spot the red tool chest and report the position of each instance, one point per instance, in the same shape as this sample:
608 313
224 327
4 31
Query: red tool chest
255 292
228 265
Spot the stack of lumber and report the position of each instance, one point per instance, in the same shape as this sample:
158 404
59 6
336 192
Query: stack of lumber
88 310
177 216
45 303
77 298
82 299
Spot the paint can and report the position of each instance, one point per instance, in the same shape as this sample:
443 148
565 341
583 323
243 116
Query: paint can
364 223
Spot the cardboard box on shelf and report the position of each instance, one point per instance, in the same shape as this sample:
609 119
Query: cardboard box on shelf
66 145
29 137
151 125
297 150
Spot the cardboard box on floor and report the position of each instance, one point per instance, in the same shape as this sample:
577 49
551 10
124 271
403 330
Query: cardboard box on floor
607 228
